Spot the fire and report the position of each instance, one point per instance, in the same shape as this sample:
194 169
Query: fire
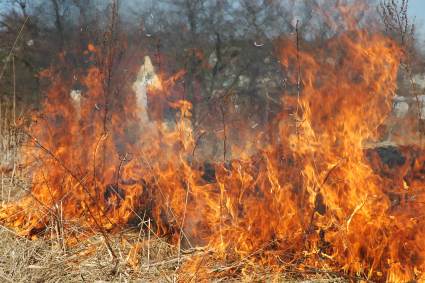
310 197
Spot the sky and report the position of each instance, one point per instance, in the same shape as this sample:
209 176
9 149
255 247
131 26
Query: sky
417 11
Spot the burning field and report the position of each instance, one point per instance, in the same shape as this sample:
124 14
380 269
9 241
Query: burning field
125 174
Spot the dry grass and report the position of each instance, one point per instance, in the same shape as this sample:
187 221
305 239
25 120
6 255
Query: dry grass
48 259
140 256
43 260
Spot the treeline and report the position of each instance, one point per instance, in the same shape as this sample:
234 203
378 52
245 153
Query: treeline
228 48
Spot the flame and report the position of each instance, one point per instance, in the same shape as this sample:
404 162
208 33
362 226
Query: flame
309 198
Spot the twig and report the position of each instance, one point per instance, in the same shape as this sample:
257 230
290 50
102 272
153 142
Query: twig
14 233
100 227
241 261
14 91
223 121
13 48
149 241
3 276
174 260
145 161
317 190
196 144
356 209
122 160
103 136
298 78
183 218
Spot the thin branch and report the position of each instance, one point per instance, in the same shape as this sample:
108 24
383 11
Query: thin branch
13 48
67 170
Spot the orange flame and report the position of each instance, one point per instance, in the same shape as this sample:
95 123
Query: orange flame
310 198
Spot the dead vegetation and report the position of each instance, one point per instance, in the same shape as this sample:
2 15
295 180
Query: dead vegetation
43 260
63 234
141 256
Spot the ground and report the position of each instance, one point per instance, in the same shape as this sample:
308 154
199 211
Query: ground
139 257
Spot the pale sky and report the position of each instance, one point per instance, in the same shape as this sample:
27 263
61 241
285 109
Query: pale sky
417 11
